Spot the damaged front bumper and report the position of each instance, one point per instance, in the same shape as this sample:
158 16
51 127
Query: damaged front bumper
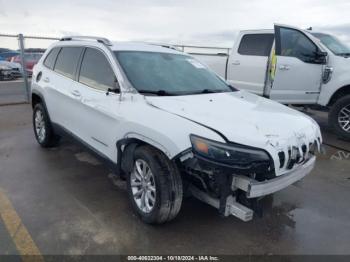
255 188
233 187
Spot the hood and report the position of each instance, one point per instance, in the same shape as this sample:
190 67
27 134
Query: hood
242 117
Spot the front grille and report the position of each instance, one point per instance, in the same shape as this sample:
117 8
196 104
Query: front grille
304 148
282 157
296 155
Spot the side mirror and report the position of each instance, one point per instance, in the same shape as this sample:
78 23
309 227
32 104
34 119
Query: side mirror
321 57
115 89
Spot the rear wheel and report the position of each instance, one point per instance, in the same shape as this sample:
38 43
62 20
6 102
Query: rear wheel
42 127
339 117
154 186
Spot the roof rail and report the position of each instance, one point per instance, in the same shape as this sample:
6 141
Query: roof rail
80 37
164 45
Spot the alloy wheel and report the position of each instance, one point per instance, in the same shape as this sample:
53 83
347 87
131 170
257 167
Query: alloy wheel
40 125
344 118
143 186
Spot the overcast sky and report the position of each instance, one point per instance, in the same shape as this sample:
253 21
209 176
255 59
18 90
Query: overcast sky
200 22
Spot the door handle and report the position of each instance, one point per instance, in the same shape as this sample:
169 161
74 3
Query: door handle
284 67
76 93
46 80
236 62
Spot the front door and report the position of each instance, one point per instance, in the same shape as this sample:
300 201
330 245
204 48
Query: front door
298 67
98 123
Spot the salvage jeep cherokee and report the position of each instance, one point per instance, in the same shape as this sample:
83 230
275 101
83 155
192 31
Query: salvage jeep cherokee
169 126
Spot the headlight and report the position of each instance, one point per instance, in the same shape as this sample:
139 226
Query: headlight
229 154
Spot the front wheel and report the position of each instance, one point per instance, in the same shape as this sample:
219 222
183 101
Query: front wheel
154 186
339 117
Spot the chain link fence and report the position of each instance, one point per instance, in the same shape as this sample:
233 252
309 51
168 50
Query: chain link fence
18 55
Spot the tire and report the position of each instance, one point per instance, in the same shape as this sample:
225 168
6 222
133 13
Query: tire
42 127
167 183
338 112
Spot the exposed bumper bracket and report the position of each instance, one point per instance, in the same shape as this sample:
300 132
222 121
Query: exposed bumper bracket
257 189
232 207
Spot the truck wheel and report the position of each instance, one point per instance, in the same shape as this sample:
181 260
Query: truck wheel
154 186
339 117
42 127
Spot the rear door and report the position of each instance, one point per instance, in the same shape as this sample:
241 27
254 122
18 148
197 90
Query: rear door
298 70
49 83
61 101
247 65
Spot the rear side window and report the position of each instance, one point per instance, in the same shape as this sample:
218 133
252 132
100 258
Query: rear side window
96 71
67 61
256 44
51 58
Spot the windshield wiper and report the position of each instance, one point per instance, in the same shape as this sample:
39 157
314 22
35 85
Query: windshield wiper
211 91
157 92
166 93
344 54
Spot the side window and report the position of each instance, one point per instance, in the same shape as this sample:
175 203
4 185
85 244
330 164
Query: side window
296 44
67 61
96 71
256 44
51 58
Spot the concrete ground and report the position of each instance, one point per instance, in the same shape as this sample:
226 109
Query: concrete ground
12 91
66 203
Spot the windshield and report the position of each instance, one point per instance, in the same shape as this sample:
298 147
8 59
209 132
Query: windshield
168 74
333 44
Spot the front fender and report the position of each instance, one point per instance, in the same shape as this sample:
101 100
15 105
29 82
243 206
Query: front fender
340 80
165 131
168 147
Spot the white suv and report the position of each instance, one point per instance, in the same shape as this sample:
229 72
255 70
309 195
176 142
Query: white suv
169 125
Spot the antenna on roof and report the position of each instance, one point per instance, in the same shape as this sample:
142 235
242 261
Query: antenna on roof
309 28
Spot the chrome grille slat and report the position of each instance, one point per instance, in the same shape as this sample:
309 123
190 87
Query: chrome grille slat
303 154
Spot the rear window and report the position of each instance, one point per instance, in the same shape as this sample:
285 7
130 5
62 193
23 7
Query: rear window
256 44
67 61
51 58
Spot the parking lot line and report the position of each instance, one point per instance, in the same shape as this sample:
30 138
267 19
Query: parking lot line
17 231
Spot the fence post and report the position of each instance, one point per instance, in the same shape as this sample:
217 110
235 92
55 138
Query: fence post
25 78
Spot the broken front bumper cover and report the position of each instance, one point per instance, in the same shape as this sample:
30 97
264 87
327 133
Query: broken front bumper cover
255 188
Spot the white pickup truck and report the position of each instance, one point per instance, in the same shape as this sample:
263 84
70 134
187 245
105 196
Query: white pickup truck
291 66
